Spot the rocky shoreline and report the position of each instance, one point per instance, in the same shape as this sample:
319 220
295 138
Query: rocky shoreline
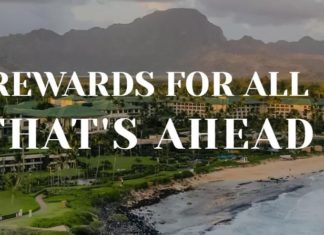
169 208
143 212
226 200
140 217
132 223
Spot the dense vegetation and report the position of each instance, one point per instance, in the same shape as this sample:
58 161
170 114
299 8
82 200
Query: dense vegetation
108 175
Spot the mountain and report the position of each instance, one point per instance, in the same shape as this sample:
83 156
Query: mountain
175 39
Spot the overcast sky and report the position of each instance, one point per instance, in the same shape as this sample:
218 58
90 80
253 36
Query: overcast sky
269 20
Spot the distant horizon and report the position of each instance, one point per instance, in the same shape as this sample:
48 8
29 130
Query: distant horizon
287 20
140 17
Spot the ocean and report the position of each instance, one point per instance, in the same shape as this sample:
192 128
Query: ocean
295 213
252 209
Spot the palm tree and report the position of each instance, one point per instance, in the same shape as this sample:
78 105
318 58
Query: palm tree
98 141
73 141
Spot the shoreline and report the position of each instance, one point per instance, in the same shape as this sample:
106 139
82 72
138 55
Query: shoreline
189 210
267 170
230 190
218 197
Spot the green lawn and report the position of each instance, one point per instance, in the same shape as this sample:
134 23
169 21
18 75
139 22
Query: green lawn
12 202
53 210
31 231
79 199
122 163
150 178
62 173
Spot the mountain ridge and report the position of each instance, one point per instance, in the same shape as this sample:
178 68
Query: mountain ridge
174 39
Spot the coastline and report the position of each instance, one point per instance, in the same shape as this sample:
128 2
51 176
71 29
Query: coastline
270 169
265 170
229 191
214 204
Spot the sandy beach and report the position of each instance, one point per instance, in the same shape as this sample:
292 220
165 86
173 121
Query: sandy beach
218 197
266 170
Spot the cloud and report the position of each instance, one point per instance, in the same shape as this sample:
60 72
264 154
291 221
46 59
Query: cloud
265 12
83 1
22 17
147 0
315 28
104 13
43 1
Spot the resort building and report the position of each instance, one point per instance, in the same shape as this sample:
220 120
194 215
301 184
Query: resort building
321 107
35 162
70 107
21 163
284 107
218 104
239 107
188 107
130 107
6 130
60 161
66 101
287 107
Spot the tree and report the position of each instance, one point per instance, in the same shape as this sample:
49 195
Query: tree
98 140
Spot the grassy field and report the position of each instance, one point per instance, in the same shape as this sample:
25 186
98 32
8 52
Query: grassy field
63 173
122 163
53 210
72 206
15 231
12 202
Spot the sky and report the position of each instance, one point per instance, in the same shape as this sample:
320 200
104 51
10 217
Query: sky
268 20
